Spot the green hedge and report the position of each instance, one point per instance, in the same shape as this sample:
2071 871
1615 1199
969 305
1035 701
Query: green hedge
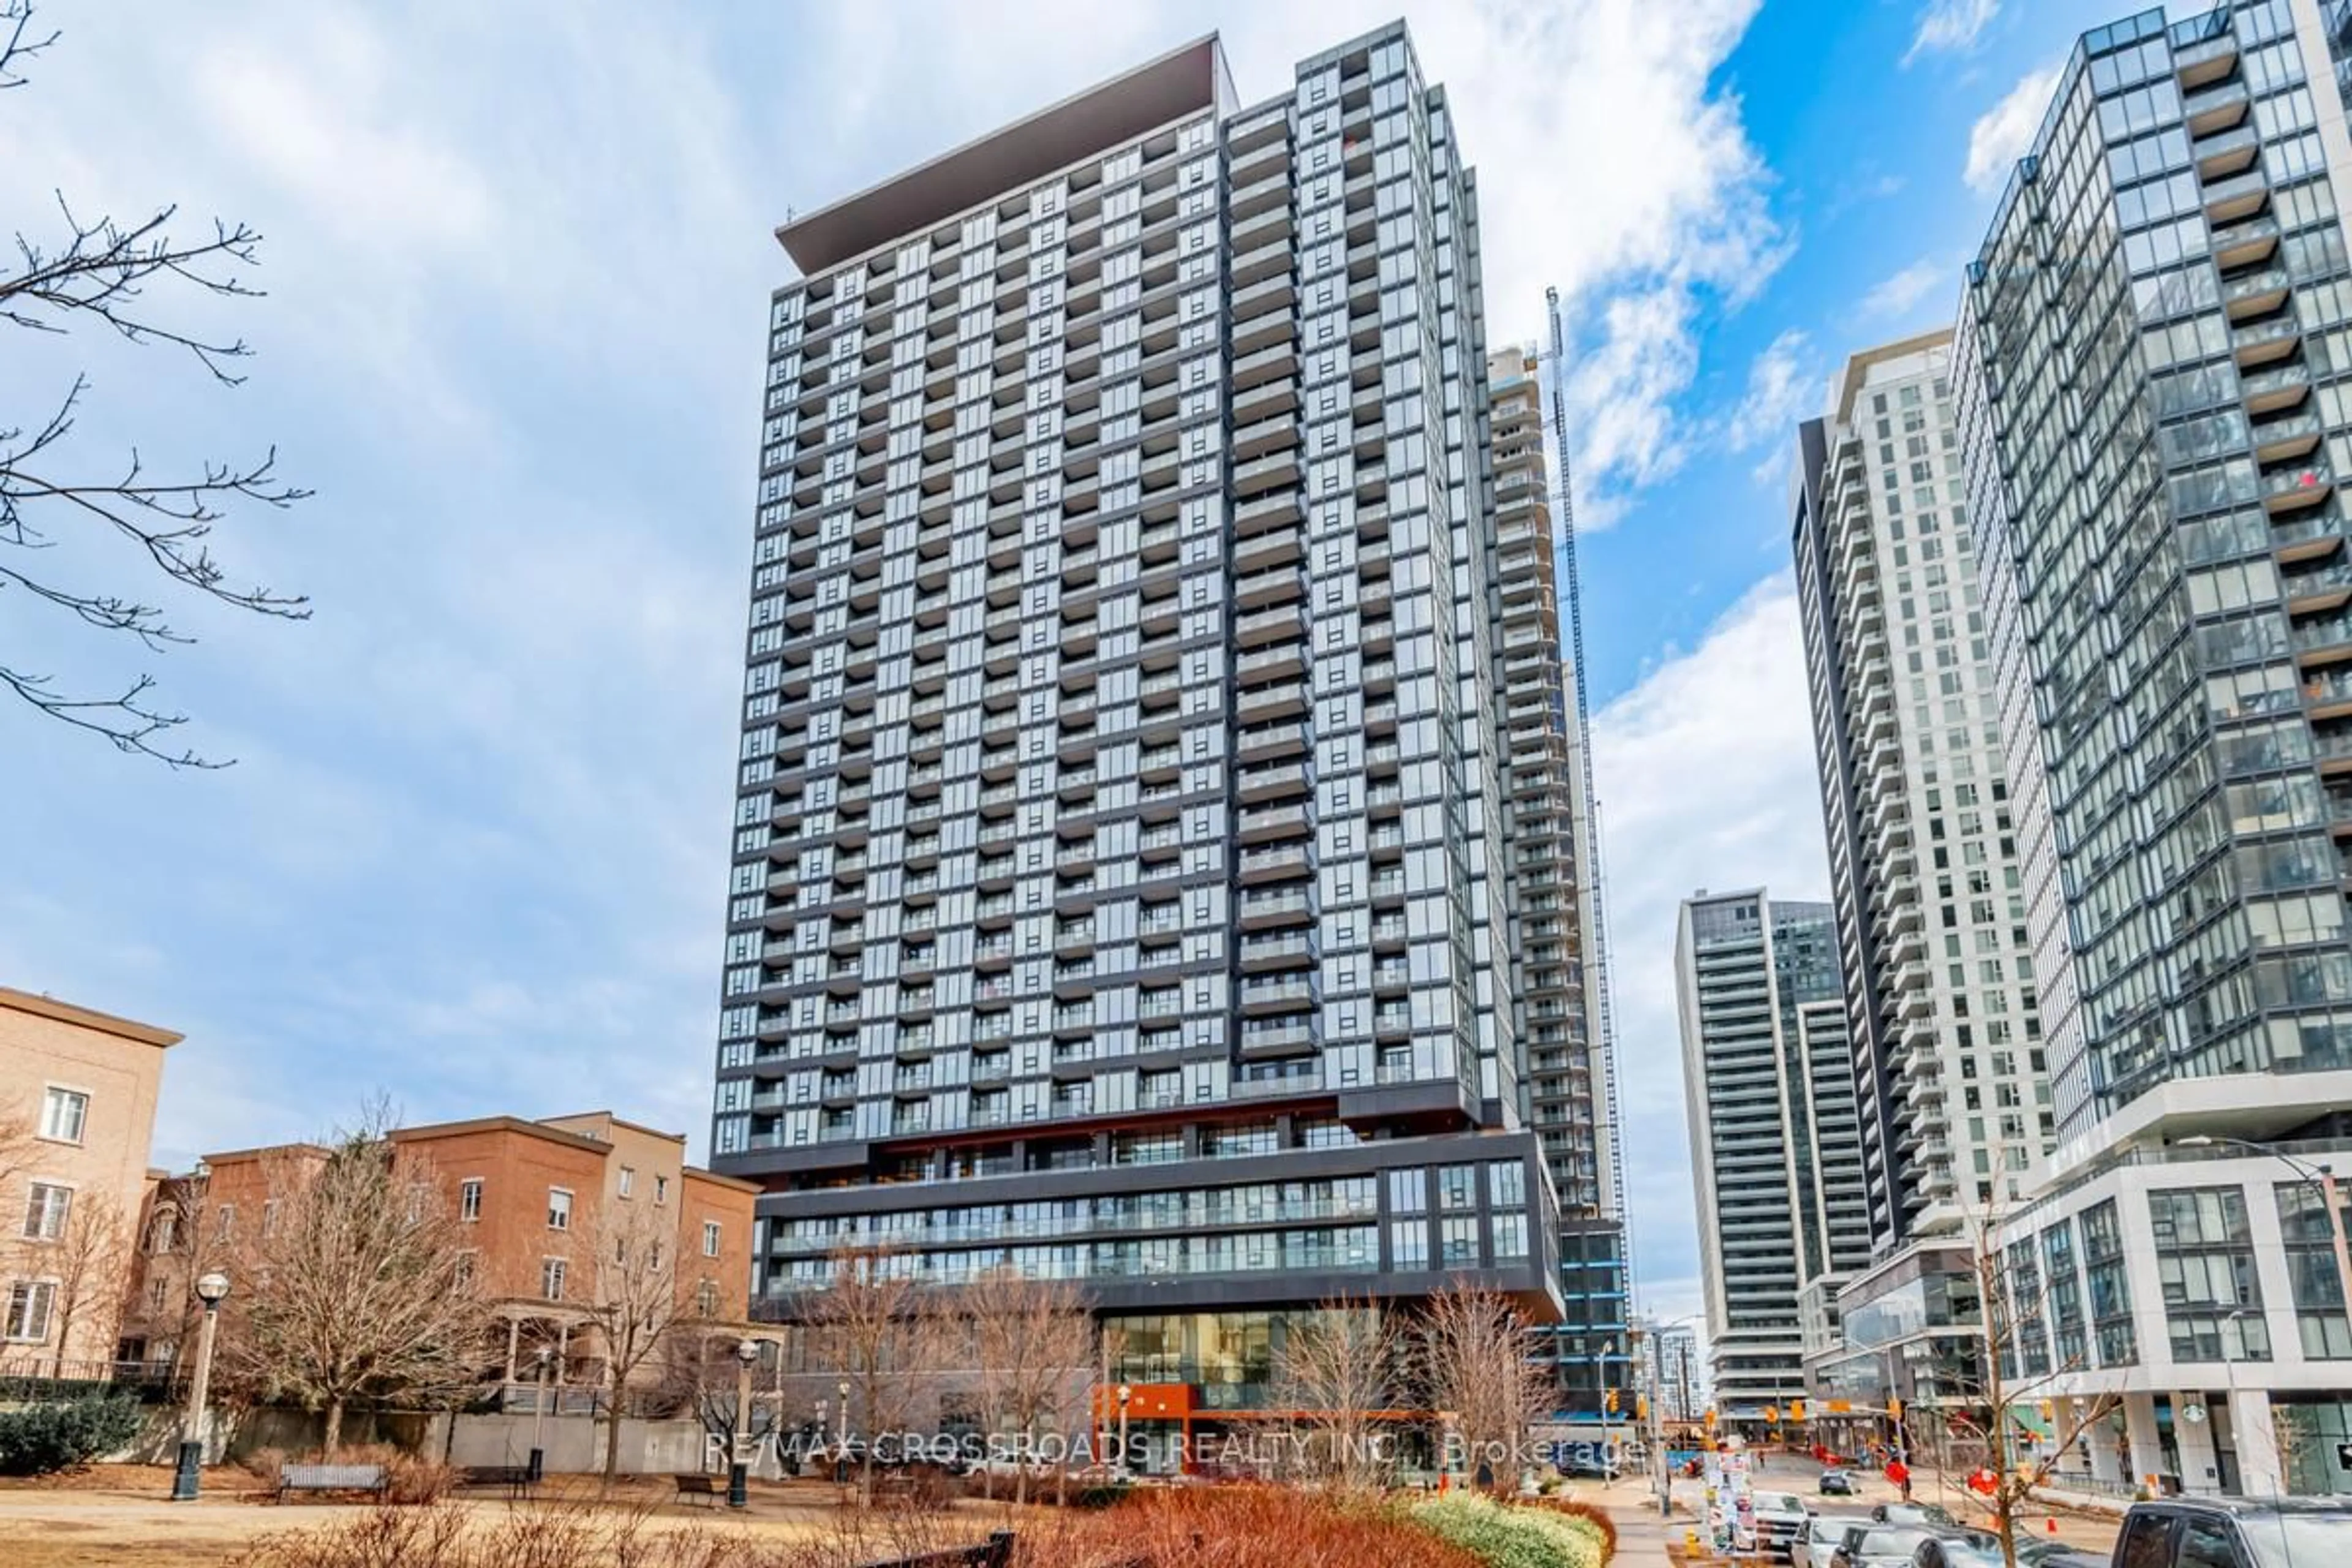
44 1437
1503 1537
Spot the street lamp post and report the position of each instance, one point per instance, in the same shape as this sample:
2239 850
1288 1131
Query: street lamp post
539 1415
2324 1176
211 1290
841 1450
1124 1394
739 1468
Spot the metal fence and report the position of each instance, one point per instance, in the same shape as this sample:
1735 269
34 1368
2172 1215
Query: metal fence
29 1378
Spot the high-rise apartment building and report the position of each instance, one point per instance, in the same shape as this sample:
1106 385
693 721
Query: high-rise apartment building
1556 899
1768 1081
2153 411
1120 887
1923 851
1925 869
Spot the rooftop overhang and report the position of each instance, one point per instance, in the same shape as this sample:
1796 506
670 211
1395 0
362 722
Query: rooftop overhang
1184 82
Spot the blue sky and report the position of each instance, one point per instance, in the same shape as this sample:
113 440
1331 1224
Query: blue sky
518 258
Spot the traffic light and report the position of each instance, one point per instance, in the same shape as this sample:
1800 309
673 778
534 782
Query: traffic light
1895 1406
1796 1410
2049 1410
1641 1407
1773 1413
1609 1402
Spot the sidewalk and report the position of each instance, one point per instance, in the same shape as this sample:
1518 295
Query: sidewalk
1641 1537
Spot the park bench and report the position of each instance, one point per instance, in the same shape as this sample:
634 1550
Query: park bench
516 1479
996 1552
373 1478
696 1485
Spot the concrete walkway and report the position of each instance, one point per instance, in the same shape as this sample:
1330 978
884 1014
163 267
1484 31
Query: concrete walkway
1642 1536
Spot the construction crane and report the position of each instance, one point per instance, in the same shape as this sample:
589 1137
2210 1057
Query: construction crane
1602 1006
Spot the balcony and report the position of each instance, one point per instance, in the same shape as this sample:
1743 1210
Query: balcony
2256 293
2310 593
2215 107
2295 489
2207 59
2239 197
2225 152
2246 242
2259 343
2322 642
2268 391
2279 440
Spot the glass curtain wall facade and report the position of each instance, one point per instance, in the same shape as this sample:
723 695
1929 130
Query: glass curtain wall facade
1119 885
1769 1084
2155 341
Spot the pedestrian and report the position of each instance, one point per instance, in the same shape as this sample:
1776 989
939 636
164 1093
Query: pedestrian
1900 1474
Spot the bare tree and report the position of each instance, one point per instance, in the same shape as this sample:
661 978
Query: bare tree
636 1304
2019 1367
1338 1371
362 1288
879 1325
93 273
1032 1341
1474 1358
88 1259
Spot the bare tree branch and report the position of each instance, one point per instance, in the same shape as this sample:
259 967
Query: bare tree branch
99 270
17 17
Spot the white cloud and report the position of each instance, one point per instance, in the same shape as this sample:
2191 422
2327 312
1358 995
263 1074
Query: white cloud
1951 26
1706 772
1639 246
2006 131
1783 385
1895 295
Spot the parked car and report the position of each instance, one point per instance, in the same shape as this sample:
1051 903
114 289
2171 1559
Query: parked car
1921 1514
1839 1483
1780 1518
1879 1546
1820 1541
1961 1549
2203 1532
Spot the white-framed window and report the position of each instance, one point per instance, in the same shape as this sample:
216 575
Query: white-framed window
63 1113
550 1279
661 1189
558 1210
226 1222
710 1238
269 1216
164 1233
30 1304
464 1269
470 1200
706 1299
628 1181
46 1204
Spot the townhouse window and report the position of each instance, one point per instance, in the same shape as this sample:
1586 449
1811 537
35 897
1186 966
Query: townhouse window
710 1238
628 1181
558 1210
30 1304
46 1207
470 1200
550 1279
661 1189
706 1299
464 1272
63 1113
